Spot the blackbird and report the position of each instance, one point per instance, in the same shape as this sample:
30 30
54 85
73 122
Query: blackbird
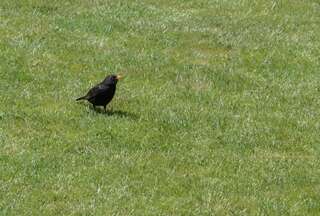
102 93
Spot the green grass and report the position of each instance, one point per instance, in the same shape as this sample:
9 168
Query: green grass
218 113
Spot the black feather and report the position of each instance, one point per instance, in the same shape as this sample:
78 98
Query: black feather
102 93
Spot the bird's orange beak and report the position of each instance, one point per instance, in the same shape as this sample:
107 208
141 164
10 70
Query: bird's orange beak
119 77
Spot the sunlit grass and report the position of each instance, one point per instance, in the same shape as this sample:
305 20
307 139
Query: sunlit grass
218 113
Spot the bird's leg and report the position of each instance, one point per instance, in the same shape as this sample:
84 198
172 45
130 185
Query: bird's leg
94 107
105 109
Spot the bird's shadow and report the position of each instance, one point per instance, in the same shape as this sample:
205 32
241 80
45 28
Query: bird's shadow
111 112
120 113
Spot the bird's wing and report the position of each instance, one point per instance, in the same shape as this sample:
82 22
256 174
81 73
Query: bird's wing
96 90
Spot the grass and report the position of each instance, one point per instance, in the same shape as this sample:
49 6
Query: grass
218 113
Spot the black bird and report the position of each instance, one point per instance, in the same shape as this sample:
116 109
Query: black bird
102 94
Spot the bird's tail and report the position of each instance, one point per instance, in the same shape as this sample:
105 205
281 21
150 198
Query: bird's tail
81 98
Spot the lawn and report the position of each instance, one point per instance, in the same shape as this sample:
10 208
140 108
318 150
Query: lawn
218 113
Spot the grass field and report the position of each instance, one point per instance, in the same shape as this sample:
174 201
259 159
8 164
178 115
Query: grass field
218 113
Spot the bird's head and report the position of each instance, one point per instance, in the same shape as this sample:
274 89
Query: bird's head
112 79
